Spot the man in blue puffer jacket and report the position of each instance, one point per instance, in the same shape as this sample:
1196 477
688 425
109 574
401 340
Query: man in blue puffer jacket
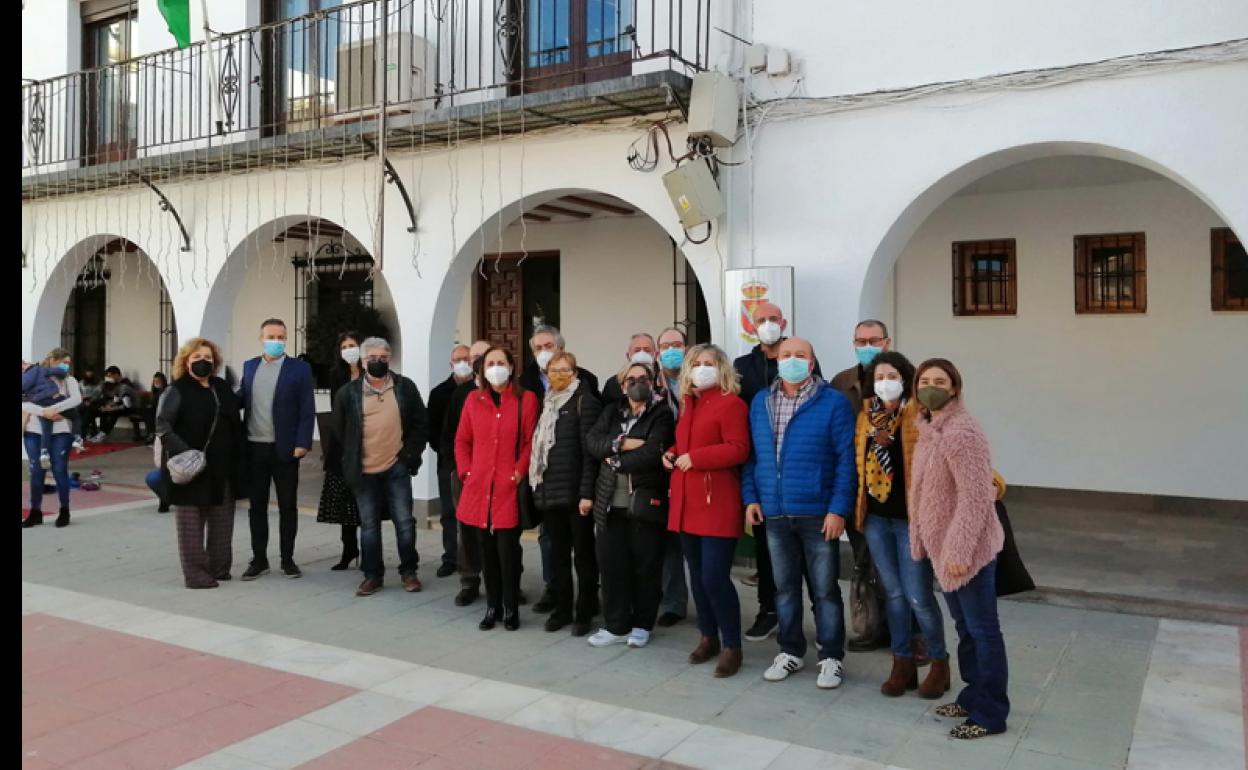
802 479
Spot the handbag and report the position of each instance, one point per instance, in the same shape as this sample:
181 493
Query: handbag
1012 576
185 466
865 599
530 517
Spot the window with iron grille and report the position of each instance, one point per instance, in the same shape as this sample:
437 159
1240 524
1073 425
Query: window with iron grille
1110 273
985 278
1230 270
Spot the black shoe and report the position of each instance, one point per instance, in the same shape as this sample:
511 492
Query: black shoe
521 598
511 620
290 569
162 508
867 644
224 576
487 622
446 569
466 596
669 619
33 519
348 556
557 621
764 626
255 570
62 518
581 627
544 604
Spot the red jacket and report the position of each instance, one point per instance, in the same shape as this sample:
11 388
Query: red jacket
714 431
486 457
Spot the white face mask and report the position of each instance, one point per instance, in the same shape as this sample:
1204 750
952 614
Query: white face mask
461 369
641 357
704 376
769 332
497 375
543 358
888 390
350 355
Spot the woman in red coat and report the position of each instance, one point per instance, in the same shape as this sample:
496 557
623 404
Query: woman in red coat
712 442
492 447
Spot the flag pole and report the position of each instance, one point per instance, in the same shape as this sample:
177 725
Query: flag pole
213 74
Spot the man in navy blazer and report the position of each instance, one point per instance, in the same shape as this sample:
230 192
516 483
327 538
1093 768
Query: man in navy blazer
278 413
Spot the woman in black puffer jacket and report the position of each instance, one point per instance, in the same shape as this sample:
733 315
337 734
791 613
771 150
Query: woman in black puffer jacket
563 480
630 507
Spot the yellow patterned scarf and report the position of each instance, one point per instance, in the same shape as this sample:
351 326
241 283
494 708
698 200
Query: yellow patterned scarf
879 467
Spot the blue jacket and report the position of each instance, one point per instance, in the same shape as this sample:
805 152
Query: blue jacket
294 407
816 474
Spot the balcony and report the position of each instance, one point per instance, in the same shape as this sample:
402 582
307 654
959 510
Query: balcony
312 87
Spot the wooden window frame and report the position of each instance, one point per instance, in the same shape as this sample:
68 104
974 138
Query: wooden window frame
966 280
1219 239
1085 304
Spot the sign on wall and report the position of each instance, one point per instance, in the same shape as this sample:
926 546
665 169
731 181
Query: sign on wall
744 290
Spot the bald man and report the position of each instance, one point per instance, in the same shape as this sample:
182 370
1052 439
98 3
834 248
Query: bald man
801 480
439 401
757 370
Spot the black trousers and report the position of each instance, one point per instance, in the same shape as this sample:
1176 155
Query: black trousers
108 420
572 543
497 554
283 472
630 556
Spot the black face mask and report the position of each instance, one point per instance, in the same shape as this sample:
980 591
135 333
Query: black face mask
201 368
640 392
377 369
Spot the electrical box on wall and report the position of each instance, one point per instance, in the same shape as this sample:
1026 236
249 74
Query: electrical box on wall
694 193
713 108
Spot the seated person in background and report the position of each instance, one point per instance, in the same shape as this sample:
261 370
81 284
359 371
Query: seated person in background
90 386
117 400
151 399
39 387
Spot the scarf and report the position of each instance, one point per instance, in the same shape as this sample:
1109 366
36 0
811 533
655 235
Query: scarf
879 461
544 436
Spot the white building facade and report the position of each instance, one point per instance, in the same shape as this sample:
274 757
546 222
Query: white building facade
1048 195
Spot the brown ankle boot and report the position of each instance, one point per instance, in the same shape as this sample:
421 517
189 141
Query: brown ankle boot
904 677
937 681
729 662
708 647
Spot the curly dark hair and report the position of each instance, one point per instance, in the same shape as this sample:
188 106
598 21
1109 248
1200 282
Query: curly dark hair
898 362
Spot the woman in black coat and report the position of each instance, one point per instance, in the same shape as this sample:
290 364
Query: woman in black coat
630 506
563 478
337 504
199 411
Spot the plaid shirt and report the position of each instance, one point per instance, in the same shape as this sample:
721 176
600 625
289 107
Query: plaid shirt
783 407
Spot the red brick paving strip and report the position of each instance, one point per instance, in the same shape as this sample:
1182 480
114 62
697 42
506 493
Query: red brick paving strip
96 699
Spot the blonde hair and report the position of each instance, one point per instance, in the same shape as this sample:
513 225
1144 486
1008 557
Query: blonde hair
563 355
55 355
623 374
729 383
190 346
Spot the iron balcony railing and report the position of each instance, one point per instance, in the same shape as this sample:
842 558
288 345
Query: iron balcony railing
325 69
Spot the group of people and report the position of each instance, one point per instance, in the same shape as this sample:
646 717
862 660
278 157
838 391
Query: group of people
665 466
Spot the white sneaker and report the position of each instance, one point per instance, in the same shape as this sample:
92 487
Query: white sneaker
45 461
78 445
638 637
604 638
831 672
782 666
98 438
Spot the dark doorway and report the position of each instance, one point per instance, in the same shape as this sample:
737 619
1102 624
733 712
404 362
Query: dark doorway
515 295
89 310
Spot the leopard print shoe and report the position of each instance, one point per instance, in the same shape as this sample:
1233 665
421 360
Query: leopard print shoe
968 730
952 710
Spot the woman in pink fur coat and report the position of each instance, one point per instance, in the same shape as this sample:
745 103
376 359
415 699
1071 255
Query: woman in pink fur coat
953 523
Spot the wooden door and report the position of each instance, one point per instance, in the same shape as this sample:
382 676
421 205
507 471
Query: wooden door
500 307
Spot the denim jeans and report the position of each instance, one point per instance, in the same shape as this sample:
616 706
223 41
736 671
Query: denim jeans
59 455
710 576
675 589
981 650
395 485
788 539
907 586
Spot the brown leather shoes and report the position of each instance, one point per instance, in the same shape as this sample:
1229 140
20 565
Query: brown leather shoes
369 587
708 647
904 677
729 662
937 681
411 583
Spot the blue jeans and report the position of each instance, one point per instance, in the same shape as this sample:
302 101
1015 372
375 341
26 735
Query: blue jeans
394 486
981 650
907 586
59 455
788 538
710 575
675 590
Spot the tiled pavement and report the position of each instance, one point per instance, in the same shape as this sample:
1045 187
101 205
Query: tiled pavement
1090 689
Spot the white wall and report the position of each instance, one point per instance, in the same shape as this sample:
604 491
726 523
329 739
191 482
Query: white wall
1149 403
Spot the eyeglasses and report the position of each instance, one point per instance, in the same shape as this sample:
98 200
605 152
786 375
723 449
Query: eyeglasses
875 342
643 380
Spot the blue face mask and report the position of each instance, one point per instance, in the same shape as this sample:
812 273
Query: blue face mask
60 370
794 370
867 354
274 348
672 358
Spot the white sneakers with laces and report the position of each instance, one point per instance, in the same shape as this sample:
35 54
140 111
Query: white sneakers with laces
782 666
831 672
604 638
638 637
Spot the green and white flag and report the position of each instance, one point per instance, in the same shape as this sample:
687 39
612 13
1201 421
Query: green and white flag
177 15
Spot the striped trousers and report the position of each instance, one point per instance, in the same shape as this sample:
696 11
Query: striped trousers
204 559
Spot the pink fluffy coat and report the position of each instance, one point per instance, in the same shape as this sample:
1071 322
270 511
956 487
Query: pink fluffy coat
950 495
